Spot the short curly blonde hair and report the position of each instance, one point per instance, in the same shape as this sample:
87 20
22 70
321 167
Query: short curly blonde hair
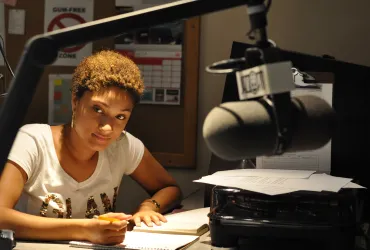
104 69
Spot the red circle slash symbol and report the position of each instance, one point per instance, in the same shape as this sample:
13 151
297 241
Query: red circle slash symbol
57 22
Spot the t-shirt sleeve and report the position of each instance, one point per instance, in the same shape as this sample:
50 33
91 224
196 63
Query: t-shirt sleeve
24 152
132 152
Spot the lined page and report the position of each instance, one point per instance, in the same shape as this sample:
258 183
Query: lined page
142 240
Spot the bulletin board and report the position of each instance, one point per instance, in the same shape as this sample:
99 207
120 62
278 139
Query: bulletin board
59 106
168 131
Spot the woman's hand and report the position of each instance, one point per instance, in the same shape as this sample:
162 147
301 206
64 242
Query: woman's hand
148 216
107 232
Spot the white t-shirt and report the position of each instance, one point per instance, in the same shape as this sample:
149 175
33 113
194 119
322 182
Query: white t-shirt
51 192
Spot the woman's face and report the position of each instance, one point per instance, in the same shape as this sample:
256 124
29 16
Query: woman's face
100 117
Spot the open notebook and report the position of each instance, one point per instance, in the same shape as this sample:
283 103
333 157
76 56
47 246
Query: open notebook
145 241
192 222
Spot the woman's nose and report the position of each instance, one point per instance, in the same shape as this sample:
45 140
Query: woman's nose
106 124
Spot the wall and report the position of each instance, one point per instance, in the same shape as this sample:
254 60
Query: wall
314 27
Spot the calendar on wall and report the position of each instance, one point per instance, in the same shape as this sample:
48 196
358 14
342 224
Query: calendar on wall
161 67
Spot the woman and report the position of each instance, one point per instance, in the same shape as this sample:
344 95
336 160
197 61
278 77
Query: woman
73 171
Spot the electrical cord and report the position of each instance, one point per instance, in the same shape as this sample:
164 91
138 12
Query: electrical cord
2 51
191 193
4 56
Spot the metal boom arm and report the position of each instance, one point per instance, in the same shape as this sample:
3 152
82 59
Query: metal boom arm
42 50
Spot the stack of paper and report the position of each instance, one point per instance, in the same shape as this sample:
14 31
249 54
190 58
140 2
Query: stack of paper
276 181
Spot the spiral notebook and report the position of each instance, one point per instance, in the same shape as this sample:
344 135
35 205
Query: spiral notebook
144 241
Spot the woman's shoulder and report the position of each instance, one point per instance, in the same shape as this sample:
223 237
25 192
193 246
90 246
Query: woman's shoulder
130 139
128 136
35 129
126 142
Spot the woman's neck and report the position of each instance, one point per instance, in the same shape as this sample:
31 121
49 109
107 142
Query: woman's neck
76 148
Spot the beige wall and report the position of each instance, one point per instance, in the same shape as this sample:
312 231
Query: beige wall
316 27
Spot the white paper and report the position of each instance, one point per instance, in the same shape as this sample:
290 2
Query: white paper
66 13
266 173
352 185
187 221
17 18
2 29
279 185
247 183
143 240
199 215
328 182
318 160
257 181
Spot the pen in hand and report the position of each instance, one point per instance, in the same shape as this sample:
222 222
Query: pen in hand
100 217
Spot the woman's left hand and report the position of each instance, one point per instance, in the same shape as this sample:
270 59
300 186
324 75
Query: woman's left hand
148 216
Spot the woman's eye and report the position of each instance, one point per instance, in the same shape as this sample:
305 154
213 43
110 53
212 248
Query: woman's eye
97 110
120 117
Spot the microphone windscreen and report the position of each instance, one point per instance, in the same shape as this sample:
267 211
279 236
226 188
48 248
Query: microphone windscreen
245 129
313 121
237 129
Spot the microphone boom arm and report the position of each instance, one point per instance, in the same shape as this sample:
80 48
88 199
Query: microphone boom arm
42 50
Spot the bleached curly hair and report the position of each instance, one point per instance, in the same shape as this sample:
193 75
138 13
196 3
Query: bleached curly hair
104 69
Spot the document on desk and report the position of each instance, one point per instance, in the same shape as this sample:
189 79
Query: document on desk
286 173
145 241
352 185
252 183
268 184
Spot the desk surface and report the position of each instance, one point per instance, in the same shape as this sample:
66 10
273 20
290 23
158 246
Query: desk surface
204 243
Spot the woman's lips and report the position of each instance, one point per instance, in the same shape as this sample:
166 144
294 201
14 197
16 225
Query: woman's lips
101 137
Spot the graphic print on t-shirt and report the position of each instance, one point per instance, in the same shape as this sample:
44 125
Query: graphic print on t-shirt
65 211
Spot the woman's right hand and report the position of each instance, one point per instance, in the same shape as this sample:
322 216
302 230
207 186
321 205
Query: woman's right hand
106 232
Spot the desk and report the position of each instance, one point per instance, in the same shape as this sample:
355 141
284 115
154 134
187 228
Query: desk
204 243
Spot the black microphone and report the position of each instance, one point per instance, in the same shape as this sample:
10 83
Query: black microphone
245 129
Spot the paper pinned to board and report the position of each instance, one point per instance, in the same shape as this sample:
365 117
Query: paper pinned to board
318 160
17 21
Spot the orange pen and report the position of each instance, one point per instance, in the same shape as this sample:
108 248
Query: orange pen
100 217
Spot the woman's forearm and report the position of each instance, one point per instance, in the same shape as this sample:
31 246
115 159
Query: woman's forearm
28 226
168 198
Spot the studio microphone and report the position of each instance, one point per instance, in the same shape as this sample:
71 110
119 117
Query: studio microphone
267 121
245 129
